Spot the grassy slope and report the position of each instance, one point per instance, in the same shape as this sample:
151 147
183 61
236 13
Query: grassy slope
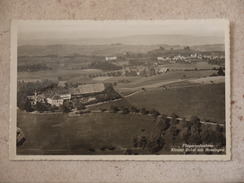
123 102
205 102
65 74
75 135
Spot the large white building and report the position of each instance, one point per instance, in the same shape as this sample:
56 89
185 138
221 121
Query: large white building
58 99
55 100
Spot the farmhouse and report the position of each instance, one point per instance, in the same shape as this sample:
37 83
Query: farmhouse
55 100
87 90
36 98
163 70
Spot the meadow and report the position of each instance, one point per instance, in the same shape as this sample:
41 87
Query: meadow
206 101
85 134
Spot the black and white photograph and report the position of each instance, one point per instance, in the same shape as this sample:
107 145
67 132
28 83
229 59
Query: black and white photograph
120 90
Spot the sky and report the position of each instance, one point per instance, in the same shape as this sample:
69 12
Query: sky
57 30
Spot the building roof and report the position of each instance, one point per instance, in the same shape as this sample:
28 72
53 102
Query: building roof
40 97
56 97
91 88
74 91
49 95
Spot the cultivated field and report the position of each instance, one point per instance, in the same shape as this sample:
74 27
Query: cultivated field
160 80
54 74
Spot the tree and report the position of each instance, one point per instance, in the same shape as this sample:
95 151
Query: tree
194 139
184 123
133 109
206 135
135 141
27 106
114 109
163 124
173 132
125 110
142 141
40 107
185 134
195 121
154 113
195 130
221 72
174 118
65 109
143 111
155 143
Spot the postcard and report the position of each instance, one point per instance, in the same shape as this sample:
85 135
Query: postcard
120 90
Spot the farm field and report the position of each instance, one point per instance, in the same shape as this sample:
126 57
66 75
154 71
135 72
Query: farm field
198 65
206 102
171 76
162 79
62 134
54 74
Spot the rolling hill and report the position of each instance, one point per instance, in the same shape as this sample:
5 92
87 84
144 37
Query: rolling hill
103 50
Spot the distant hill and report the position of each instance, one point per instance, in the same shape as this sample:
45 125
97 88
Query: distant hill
102 50
160 39
214 47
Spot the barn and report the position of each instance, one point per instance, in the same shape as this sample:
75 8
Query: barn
87 90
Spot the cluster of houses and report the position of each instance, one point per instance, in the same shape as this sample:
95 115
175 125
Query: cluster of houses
180 58
188 58
52 98
84 92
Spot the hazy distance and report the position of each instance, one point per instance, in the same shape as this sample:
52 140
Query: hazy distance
120 32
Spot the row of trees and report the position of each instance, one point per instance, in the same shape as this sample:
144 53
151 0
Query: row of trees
152 143
132 109
172 132
106 66
107 74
